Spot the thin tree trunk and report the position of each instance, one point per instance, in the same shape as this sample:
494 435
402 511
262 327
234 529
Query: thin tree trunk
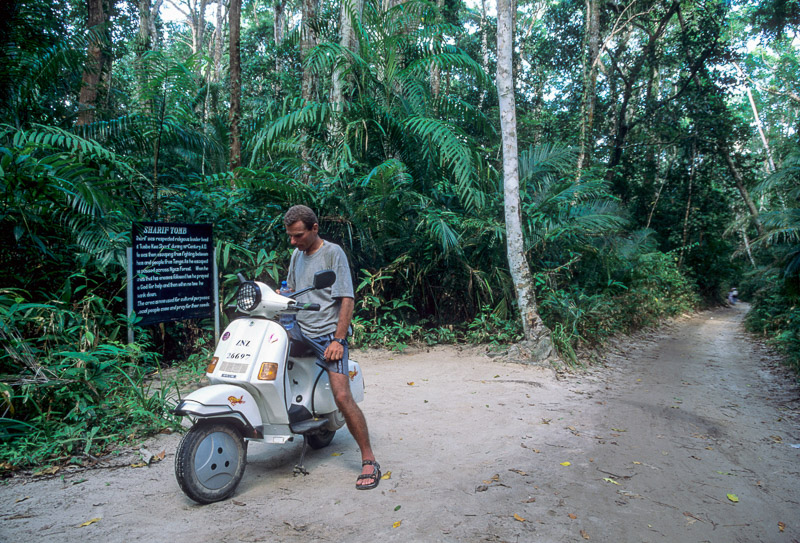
97 61
692 172
660 188
757 118
532 324
737 178
235 14
747 246
589 84
436 71
279 7
308 40
484 51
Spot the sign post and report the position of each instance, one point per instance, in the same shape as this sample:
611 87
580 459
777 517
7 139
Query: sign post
172 274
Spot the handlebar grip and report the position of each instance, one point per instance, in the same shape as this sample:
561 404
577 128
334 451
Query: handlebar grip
308 307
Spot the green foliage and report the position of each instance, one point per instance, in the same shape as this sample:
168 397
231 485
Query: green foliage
69 391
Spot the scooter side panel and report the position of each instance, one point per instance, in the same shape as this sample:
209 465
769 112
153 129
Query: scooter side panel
323 396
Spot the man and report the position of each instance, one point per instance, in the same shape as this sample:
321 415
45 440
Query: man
326 330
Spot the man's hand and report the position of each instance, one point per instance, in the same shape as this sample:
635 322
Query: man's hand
334 352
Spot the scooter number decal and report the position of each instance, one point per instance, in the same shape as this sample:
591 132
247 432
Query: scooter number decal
237 356
235 401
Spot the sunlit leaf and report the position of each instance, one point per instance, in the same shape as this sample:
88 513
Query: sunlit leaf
565 464
610 480
781 526
734 498
336 454
387 475
397 524
88 522
518 518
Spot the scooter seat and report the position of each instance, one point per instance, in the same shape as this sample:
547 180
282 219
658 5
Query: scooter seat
299 348
308 426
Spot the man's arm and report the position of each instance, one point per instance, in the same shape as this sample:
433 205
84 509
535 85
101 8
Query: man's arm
335 351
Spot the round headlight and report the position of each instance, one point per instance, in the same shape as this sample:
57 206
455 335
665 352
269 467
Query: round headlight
248 297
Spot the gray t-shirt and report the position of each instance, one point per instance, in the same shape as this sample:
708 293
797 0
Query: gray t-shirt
301 275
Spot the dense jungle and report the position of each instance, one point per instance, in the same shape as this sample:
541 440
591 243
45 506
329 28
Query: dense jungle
655 165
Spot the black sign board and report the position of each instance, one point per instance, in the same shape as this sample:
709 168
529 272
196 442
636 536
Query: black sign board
172 272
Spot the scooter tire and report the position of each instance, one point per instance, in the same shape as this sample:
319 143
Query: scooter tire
320 440
210 461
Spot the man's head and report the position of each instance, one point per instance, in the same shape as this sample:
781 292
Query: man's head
301 227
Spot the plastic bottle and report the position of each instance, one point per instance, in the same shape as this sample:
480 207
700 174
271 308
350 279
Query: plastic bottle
286 319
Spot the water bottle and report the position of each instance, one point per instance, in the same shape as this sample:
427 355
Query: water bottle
286 319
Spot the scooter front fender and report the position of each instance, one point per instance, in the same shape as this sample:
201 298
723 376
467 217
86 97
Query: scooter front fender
223 401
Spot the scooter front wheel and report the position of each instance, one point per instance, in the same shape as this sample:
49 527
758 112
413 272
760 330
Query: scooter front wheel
210 461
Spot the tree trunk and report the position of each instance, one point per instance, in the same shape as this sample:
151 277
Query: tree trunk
532 324
97 61
278 34
235 14
692 172
589 84
436 71
484 51
308 40
757 118
347 40
737 178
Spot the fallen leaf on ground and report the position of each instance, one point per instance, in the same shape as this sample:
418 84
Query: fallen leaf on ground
22 499
518 518
584 534
88 522
734 498
518 471
398 508
397 524
336 454
410 383
387 475
637 463
566 464
781 526
160 456
573 516
47 471
619 430
139 465
529 500
240 504
610 480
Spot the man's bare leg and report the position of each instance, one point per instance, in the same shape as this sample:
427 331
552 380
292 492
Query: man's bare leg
354 417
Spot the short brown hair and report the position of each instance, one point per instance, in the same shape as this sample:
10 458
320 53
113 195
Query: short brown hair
300 213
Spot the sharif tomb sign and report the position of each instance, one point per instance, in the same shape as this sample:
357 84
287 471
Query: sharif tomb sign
173 272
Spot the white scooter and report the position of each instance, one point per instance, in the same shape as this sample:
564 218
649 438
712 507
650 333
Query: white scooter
263 388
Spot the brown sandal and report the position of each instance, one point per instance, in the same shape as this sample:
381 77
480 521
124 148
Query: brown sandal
375 475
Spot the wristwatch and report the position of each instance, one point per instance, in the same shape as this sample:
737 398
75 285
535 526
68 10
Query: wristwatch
340 341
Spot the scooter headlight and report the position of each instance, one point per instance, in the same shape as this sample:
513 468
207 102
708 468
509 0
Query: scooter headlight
248 297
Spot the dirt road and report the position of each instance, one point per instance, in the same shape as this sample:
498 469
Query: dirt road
658 445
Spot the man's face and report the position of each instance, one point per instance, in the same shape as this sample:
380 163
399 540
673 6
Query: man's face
301 237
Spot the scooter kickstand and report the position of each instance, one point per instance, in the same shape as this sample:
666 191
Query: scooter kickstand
300 469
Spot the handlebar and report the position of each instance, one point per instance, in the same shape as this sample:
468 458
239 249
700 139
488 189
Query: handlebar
306 307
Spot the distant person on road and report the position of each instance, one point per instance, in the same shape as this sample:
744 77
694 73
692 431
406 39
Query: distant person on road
733 296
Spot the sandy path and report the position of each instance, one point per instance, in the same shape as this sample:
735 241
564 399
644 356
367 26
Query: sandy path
656 440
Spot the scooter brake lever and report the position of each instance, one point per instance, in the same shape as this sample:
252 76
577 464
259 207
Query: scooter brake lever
241 277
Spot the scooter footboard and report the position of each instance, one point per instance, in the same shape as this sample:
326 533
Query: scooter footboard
222 401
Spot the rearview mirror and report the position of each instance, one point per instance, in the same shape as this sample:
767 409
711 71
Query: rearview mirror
324 279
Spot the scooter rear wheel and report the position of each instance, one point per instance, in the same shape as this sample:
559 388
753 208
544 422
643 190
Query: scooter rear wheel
210 461
320 440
